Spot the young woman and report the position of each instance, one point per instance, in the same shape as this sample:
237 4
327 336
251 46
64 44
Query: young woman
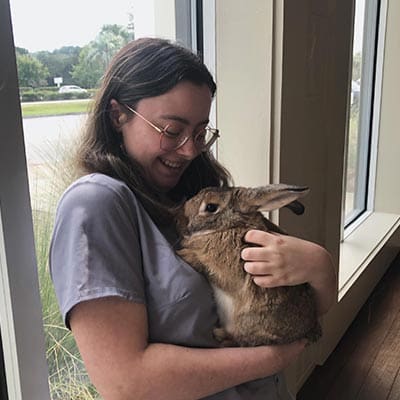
142 318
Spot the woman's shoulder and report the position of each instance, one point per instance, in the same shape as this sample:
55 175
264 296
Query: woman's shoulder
97 191
97 184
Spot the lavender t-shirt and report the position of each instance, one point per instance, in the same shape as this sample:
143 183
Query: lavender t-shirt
105 244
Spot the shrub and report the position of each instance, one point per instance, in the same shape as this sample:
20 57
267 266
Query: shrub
67 375
30 95
51 94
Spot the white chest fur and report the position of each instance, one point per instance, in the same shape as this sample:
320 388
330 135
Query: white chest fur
224 307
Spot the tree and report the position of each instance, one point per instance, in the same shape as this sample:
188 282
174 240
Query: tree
357 64
21 50
31 72
95 57
86 72
60 62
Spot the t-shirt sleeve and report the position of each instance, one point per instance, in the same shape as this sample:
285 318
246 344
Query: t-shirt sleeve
95 249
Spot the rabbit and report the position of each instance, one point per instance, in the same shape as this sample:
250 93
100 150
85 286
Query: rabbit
211 226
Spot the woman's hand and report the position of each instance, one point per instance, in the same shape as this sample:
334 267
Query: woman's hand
281 260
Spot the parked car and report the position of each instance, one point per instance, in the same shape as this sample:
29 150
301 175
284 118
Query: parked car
71 89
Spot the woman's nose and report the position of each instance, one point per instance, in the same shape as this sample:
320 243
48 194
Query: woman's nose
188 149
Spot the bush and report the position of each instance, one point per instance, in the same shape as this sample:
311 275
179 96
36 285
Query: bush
30 95
51 94
68 378
48 88
23 89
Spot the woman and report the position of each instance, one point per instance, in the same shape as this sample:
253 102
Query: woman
141 317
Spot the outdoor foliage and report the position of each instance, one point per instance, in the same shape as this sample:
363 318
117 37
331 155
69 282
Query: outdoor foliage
87 72
357 62
67 375
48 94
59 63
75 65
95 57
31 72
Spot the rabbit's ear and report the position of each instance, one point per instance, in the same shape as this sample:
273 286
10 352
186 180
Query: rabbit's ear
270 197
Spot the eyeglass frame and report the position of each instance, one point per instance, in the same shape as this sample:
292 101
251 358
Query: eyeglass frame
163 132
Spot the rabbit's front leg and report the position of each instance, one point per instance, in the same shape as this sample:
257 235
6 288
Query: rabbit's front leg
225 310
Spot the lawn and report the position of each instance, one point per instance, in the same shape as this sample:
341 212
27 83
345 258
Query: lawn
46 108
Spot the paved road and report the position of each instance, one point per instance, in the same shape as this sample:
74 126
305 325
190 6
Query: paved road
43 135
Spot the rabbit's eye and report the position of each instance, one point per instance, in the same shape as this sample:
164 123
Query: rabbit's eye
211 207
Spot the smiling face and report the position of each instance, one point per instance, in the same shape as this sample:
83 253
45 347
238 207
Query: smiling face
186 108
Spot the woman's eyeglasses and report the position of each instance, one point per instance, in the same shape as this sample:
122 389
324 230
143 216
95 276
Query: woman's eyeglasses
172 140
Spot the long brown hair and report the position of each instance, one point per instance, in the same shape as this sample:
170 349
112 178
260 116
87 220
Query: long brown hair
145 68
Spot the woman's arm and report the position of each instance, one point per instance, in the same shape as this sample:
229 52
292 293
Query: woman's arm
111 334
281 260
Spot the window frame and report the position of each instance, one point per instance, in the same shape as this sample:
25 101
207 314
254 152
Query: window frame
188 23
368 113
23 353
366 236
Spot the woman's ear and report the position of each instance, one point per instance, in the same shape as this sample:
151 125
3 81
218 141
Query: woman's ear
118 117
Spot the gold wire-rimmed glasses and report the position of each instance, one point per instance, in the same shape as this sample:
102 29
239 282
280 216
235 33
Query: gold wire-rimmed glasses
170 140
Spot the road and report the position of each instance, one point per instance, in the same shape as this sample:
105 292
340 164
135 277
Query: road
43 136
46 140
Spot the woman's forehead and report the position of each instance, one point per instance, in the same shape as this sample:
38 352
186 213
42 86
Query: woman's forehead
184 103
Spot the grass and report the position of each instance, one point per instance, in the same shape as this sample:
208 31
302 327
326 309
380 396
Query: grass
47 108
68 378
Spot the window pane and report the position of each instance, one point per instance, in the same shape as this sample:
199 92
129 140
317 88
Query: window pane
61 54
360 113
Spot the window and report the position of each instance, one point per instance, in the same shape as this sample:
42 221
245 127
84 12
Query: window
359 169
46 141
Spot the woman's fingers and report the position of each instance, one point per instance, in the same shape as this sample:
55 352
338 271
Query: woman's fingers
260 238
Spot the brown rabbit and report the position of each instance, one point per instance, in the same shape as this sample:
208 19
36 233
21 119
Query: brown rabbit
212 225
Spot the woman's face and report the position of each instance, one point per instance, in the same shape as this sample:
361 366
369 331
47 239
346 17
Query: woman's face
187 108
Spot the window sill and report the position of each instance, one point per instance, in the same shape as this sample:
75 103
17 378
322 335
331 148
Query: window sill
362 245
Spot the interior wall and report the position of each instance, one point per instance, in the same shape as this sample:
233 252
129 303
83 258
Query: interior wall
243 74
164 19
387 182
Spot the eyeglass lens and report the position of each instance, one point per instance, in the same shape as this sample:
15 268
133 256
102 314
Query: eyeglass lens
202 140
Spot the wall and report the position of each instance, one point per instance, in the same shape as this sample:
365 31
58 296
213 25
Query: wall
388 188
244 63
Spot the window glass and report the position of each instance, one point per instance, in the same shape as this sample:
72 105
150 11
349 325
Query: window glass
62 51
361 109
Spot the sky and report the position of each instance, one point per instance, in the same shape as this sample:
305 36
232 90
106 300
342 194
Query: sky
359 26
51 24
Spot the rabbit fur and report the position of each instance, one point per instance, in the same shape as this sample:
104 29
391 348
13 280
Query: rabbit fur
211 226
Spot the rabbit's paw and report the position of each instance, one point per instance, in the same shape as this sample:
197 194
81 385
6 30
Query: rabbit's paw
224 338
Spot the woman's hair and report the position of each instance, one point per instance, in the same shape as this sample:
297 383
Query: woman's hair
145 68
